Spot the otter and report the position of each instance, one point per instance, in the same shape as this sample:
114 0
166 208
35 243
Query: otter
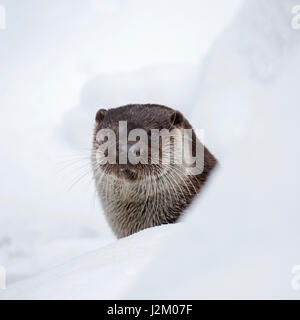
136 196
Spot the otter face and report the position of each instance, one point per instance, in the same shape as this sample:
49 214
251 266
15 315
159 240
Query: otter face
128 143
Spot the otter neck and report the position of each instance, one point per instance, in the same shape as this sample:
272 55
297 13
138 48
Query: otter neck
151 204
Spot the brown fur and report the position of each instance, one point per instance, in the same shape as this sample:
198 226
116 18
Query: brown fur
135 197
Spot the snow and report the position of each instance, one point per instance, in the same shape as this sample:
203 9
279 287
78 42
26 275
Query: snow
239 240
106 272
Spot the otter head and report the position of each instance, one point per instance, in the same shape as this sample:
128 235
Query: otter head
129 143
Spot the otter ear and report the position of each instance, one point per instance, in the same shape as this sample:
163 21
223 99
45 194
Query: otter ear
176 118
100 115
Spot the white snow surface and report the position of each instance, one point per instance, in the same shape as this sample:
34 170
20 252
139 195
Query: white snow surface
105 273
241 237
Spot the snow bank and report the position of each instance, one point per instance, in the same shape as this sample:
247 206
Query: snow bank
102 274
